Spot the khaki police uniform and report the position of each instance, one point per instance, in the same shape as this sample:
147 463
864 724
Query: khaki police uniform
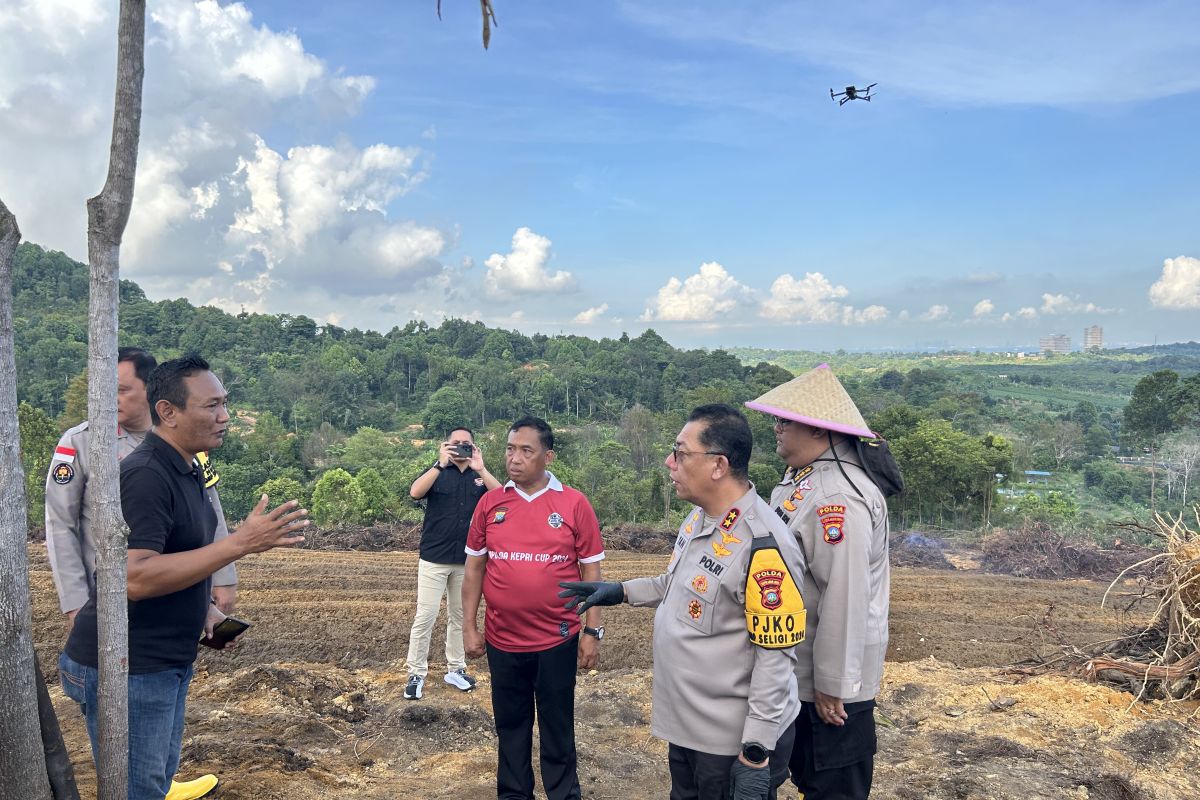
714 687
845 542
70 541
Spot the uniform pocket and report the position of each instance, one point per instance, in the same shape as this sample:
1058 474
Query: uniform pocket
835 746
697 609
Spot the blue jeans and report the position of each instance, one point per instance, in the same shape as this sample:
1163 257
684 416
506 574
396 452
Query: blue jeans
156 704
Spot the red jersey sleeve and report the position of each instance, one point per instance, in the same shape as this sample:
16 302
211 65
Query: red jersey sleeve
477 534
589 546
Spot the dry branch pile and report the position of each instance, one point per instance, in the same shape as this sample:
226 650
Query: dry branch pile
917 550
1038 551
1161 660
374 538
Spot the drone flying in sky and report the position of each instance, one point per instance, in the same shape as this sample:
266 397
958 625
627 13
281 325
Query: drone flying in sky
852 93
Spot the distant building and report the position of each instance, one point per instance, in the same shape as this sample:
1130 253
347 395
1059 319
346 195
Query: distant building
1037 476
1093 338
1055 343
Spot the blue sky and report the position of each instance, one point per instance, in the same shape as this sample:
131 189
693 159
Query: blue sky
1023 170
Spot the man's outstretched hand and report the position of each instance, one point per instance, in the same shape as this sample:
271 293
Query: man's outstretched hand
585 594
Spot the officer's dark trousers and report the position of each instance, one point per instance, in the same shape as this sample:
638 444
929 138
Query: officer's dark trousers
521 682
831 762
703 776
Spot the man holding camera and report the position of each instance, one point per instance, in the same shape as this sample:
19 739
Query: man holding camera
451 488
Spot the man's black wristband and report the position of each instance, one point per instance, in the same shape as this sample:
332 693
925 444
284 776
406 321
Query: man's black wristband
438 466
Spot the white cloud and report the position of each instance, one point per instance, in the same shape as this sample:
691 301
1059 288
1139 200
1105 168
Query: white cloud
1026 313
983 308
218 46
814 299
218 212
811 299
590 315
864 316
711 292
1053 304
935 312
1179 285
523 270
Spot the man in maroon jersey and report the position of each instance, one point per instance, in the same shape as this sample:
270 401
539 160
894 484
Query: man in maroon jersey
525 537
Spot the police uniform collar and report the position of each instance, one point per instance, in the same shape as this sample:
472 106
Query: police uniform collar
741 506
168 451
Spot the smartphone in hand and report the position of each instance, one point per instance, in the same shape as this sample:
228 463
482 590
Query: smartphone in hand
224 632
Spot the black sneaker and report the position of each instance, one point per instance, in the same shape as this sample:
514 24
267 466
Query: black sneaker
459 679
412 690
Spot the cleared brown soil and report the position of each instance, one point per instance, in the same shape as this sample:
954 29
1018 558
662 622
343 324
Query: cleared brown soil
311 706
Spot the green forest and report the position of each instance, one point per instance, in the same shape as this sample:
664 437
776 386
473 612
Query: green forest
344 419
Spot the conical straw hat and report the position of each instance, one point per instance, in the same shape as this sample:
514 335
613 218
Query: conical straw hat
815 398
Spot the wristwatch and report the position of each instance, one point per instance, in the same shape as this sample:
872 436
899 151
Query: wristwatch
754 752
597 632
438 466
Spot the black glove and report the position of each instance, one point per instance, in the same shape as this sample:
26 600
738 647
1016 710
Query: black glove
749 783
585 594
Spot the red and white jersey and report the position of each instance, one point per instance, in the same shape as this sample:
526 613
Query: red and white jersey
532 542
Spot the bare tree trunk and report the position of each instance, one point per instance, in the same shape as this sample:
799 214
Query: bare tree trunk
22 764
108 214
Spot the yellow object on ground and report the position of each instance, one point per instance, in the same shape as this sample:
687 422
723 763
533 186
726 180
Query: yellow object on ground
190 790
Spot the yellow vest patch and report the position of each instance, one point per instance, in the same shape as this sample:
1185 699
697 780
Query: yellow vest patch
775 615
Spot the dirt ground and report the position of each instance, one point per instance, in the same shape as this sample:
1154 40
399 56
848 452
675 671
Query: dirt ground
311 706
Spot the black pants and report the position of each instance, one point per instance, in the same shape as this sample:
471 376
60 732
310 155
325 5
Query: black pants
521 682
831 762
704 776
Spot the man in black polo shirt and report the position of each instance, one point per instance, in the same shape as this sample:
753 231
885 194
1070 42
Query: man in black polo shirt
452 487
171 559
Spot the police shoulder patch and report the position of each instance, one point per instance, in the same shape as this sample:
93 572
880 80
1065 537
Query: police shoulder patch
833 518
775 615
63 473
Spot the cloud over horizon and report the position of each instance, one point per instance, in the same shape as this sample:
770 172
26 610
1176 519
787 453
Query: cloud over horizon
523 270
1178 288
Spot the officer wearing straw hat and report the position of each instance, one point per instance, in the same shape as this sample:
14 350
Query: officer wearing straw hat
840 519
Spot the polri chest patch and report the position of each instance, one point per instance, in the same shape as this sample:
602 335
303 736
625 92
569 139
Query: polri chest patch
500 514
711 566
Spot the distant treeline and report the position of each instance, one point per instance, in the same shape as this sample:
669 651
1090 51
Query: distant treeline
347 418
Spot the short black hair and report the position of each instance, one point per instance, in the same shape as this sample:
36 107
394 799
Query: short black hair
545 434
460 428
727 432
166 382
143 362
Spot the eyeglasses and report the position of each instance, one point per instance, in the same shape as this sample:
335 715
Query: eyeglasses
782 423
679 453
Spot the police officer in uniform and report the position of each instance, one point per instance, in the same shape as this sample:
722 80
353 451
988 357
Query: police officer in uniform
729 616
840 519
70 542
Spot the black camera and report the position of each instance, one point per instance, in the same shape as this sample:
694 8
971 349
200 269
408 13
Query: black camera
464 450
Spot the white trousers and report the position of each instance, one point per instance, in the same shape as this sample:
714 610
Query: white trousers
434 581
